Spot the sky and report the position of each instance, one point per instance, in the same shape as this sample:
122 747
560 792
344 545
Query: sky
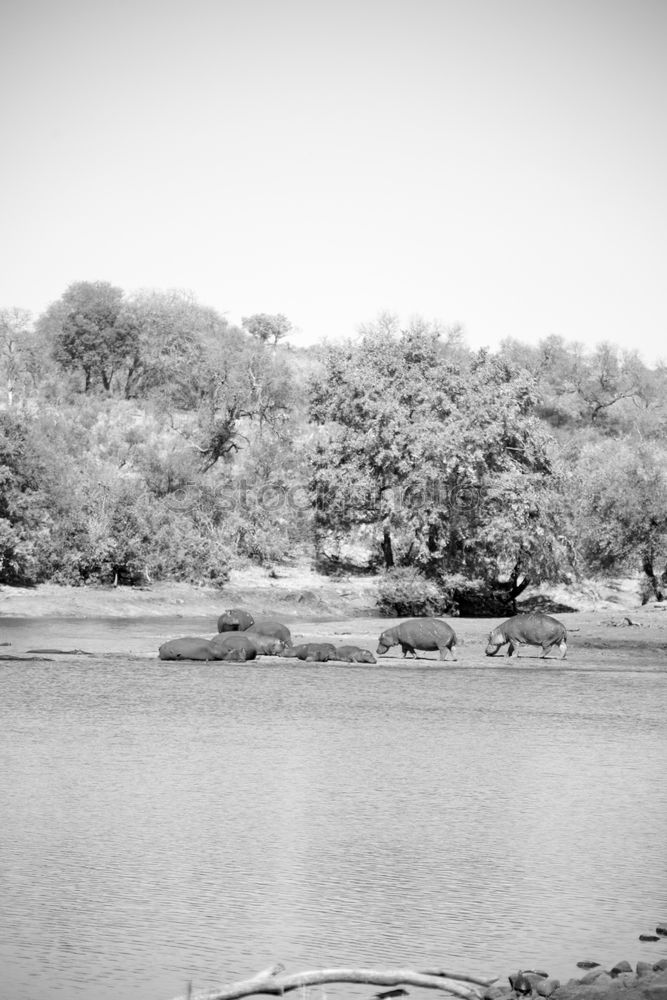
498 164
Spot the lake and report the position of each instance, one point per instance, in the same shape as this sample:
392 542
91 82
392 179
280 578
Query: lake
166 822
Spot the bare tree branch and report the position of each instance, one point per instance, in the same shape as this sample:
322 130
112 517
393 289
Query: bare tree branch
270 981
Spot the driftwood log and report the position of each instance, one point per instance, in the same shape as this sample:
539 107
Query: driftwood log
272 981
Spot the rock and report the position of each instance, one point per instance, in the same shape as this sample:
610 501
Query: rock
657 990
644 968
661 929
648 937
660 965
587 965
620 967
545 987
591 976
602 982
496 992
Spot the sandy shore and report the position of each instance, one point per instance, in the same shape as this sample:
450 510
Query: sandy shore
608 631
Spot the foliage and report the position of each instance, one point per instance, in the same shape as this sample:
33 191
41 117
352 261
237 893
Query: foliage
166 443
23 504
90 333
405 591
619 494
266 327
447 461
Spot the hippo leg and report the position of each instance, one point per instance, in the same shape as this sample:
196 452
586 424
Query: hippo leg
408 649
443 650
563 649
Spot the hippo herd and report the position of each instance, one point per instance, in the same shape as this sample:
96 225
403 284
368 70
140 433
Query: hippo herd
242 637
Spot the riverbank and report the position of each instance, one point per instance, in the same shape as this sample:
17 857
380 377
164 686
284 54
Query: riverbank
608 628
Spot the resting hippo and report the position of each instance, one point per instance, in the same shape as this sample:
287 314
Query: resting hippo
420 633
354 654
235 620
311 652
269 627
188 648
224 642
533 629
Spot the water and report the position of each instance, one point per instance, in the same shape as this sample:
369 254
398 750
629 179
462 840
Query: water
170 822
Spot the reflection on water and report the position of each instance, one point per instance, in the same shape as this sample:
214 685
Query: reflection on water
165 822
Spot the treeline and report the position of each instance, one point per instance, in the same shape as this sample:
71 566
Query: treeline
144 437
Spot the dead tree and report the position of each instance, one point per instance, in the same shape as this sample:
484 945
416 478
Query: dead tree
272 981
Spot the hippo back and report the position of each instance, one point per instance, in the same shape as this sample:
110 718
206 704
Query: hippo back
188 647
235 620
223 642
272 628
533 629
419 633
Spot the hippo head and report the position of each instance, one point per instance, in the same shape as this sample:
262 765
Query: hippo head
385 642
495 641
365 656
274 647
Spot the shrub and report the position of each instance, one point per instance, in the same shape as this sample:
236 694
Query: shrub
405 591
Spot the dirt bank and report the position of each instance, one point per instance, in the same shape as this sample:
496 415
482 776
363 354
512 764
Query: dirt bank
609 630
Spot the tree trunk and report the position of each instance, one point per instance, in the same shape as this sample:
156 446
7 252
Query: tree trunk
387 549
655 581
271 981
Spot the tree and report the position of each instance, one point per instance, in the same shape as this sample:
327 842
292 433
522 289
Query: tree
15 327
23 503
445 460
89 333
618 496
266 327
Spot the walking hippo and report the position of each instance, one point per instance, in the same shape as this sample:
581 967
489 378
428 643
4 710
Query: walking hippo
189 647
311 652
235 620
222 643
534 629
354 654
420 633
269 627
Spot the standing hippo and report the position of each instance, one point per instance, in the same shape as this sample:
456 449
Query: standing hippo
354 654
235 620
189 647
420 633
534 629
222 643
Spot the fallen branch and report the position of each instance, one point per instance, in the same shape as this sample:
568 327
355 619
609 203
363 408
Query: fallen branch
272 982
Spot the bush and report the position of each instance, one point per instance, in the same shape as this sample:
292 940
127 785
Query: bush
404 591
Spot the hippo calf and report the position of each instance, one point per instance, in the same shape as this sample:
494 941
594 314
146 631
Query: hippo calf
534 629
235 620
354 654
189 647
420 633
311 652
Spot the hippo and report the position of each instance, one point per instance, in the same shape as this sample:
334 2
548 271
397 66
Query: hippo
311 652
534 629
223 642
189 647
354 654
235 620
420 633
270 627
